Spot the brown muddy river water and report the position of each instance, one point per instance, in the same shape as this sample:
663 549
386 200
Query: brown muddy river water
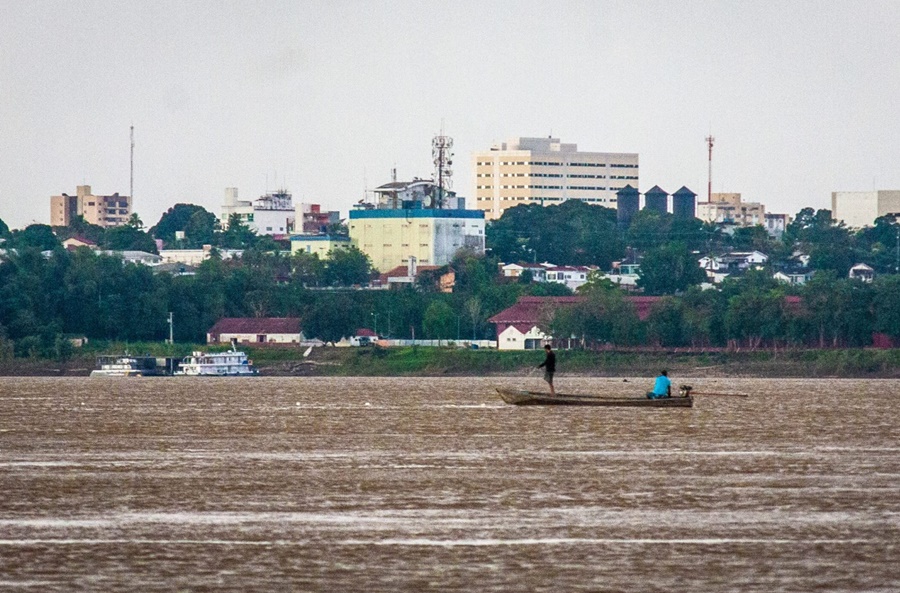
357 484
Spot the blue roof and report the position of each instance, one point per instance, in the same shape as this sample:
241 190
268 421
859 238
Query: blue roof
320 238
417 213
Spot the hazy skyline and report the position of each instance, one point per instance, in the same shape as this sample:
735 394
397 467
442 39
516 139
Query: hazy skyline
324 98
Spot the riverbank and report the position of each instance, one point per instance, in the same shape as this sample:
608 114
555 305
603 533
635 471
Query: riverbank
420 361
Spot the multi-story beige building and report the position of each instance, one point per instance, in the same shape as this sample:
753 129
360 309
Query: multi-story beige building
105 211
728 208
547 172
860 208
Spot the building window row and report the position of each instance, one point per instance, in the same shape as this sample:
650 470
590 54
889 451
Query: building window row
588 176
623 176
623 166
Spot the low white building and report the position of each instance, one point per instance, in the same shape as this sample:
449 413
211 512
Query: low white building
259 330
195 257
572 277
538 271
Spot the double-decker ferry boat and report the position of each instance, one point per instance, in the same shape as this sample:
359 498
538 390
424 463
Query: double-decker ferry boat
216 364
117 366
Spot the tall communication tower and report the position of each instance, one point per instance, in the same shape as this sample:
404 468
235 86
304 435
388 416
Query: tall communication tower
443 161
131 183
709 142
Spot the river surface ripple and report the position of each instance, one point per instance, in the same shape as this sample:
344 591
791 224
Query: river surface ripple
412 484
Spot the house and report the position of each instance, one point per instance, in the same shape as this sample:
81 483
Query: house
625 274
260 330
195 257
517 326
409 274
570 276
135 257
794 276
862 272
538 271
73 243
719 267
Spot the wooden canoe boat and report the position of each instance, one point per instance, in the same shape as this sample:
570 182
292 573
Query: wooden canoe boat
519 397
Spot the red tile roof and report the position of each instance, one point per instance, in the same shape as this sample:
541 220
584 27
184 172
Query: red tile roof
527 311
256 325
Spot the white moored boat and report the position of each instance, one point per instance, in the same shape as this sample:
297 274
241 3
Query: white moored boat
216 364
117 366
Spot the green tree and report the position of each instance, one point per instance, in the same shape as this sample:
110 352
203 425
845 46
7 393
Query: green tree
238 235
4 230
38 236
572 233
198 225
440 321
669 269
886 305
347 267
129 238
665 322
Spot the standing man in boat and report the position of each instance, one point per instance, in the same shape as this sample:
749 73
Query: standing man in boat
549 365
662 388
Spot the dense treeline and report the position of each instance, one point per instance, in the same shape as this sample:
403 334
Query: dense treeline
46 298
752 312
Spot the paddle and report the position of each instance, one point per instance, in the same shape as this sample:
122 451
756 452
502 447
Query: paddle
723 394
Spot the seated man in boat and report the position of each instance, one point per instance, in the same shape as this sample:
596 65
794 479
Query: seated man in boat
662 388
549 365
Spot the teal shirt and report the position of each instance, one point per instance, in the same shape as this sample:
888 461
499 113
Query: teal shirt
662 385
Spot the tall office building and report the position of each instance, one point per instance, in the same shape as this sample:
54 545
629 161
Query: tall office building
106 211
547 172
860 208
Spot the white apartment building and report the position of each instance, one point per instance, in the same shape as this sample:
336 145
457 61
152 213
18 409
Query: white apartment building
272 214
547 172
860 208
728 208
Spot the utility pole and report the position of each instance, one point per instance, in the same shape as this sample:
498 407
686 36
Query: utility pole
709 142
171 340
897 264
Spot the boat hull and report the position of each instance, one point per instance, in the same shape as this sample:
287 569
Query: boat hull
519 397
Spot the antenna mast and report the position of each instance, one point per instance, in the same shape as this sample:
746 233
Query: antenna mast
131 184
443 161
709 141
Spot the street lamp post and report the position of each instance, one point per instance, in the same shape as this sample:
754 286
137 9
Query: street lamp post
375 328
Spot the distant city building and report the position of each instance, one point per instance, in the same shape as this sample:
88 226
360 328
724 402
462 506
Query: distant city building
728 208
776 224
314 220
321 245
415 221
432 236
857 209
684 203
272 214
547 172
105 211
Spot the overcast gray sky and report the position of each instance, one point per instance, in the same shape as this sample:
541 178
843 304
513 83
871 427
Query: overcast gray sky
324 98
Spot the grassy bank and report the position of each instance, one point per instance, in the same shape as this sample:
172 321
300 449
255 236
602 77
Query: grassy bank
421 361
461 362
